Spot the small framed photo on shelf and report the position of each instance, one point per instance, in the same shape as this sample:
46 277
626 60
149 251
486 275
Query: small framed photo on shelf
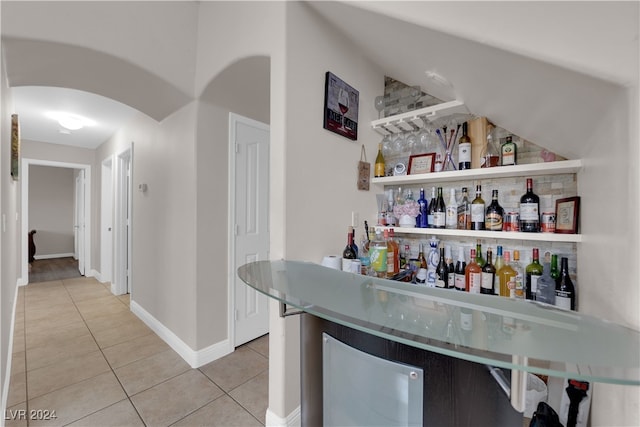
567 215
421 163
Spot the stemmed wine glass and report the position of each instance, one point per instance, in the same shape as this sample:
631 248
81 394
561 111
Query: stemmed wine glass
343 104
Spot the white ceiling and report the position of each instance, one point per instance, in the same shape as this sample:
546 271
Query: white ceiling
31 103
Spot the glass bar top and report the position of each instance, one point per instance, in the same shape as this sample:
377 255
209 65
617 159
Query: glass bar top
503 332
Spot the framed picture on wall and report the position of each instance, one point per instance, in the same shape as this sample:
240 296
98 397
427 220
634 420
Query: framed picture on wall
15 147
421 163
567 214
340 107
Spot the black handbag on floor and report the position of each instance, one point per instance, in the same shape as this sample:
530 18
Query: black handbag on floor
545 416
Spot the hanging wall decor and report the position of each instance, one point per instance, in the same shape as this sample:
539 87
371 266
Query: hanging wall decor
15 147
340 107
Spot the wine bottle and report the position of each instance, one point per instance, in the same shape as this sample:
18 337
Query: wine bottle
494 214
530 210
353 245
464 211
473 275
451 217
519 279
393 266
421 277
477 210
460 281
451 269
442 272
421 219
565 291
509 150
432 208
464 149
379 166
479 260
555 273
378 255
488 275
506 277
348 254
532 274
440 211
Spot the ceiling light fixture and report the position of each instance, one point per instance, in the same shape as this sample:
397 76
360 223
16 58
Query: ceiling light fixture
70 121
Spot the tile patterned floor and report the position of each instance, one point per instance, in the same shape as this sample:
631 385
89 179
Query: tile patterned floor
79 351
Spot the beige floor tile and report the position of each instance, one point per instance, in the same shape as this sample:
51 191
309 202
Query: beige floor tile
254 396
18 342
16 416
236 368
54 323
138 348
18 362
17 389
222 412
121 333
261 345
88 293
100 306
78 400
70 371
126 299
57 336
57 352
110 320
49 312
150 371
121 414
162 406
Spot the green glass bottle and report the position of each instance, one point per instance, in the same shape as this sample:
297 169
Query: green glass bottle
532 273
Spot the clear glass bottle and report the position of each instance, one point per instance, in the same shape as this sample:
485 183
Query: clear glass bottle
451 217
490 157
378 255
519 279
473 275
506 277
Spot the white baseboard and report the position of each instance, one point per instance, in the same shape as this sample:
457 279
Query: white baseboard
7 372
195 358
292 420
51 256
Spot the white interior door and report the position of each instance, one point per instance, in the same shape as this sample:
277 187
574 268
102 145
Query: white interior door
250 156
79 225
121 283
106 221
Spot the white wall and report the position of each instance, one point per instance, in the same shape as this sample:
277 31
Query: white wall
51 209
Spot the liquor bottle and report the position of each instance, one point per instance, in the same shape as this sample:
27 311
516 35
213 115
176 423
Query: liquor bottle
433 259
464 211
440 211
506 277
509 150
499 259
393 262
442 272
421 277
451 269
460 281
353 245
348 254
477 210
518 292
405 263
546 285
530 210
421 219
365 240
565 291
494 214
488 275
396 251
464 149
378 255
473 275
555 273
379 167
532 274
451 217
432 208
479 260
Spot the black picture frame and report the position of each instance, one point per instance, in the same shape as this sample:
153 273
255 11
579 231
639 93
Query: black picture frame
339 117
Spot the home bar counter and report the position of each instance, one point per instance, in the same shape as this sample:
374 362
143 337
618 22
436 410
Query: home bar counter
381 352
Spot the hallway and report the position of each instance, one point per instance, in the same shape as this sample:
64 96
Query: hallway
80 352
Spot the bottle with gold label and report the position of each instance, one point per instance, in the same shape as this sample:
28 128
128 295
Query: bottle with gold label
379 167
